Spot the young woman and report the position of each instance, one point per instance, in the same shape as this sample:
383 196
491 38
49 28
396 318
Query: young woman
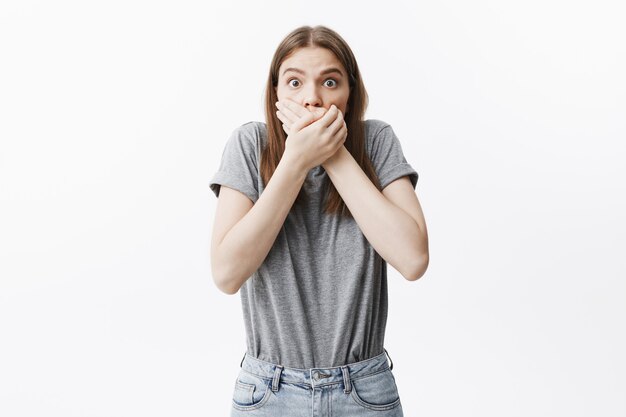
312 204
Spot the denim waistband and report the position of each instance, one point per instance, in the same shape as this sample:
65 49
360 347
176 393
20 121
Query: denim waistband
315 377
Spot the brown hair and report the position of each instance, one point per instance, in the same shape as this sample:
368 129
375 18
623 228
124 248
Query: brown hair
320 36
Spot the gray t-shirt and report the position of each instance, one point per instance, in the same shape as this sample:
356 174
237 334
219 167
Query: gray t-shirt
319 299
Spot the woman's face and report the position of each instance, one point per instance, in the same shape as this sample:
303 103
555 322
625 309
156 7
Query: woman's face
314 77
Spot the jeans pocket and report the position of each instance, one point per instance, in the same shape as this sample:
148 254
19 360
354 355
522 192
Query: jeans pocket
377 391
251 391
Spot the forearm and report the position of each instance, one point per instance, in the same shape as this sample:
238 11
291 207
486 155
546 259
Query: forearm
392 232
246 245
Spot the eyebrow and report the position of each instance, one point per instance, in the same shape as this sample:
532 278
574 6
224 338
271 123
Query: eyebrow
326 71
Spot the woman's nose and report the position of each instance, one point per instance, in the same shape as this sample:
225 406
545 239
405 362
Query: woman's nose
312 99
312 102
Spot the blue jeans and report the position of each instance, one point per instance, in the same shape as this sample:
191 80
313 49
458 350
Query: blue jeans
366 388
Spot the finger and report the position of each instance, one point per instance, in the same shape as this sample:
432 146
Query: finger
329 117
319 112
305 120
341 135
283 119
292 109
289 114
337 124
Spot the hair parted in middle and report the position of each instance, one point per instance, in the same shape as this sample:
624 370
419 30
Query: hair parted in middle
324 37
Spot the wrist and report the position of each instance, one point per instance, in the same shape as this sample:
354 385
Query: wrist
293 164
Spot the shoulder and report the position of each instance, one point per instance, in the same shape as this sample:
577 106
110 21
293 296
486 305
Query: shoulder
374 126
250 134
251 129
376 131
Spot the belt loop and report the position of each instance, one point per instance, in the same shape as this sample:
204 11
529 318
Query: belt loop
241 364
390 367
346 380
276 380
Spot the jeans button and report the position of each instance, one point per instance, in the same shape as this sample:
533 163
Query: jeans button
316 375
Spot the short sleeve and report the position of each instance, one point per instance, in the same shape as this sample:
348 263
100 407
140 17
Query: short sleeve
238 167
388 158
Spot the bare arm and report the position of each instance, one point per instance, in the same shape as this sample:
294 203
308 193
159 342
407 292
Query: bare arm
246 245
391 220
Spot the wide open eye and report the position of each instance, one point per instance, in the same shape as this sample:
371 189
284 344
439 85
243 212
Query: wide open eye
334 82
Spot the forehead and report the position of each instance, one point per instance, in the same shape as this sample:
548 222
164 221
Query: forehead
311 59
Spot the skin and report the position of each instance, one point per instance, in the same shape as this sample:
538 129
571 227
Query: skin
311 91
392 222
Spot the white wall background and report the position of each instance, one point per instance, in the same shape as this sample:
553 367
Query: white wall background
113 117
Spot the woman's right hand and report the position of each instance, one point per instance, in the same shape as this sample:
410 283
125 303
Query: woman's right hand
313 139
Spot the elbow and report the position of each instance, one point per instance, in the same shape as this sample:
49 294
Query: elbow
418 269
227 289
223 282
224 273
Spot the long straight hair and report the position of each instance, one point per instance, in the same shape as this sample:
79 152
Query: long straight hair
319 36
